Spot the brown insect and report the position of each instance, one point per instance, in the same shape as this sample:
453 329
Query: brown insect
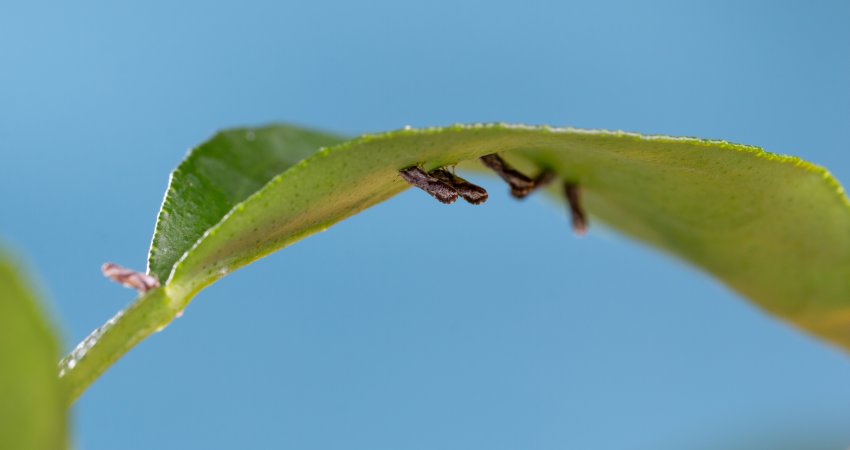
444 185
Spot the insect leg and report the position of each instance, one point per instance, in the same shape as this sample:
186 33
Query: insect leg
436 188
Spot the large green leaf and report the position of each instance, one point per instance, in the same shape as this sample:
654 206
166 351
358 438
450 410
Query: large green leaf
32 403
774 228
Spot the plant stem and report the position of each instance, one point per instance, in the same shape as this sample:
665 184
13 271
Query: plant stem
104 346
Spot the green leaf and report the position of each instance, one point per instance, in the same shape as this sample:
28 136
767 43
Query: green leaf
773 228
32 403
217 175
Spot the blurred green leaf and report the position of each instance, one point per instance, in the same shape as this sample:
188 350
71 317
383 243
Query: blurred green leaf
32 404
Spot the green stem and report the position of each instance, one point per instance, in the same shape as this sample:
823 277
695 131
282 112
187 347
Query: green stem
104 346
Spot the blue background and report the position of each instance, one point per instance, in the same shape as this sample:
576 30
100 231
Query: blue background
347 340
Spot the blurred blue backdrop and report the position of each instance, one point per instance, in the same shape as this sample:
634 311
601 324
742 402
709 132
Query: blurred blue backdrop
344 341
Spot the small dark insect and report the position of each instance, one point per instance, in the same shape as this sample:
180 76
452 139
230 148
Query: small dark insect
129 278
436 188
521 185
444 185
470 192
577 215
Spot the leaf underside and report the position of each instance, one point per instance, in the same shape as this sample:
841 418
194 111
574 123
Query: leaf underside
774 228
